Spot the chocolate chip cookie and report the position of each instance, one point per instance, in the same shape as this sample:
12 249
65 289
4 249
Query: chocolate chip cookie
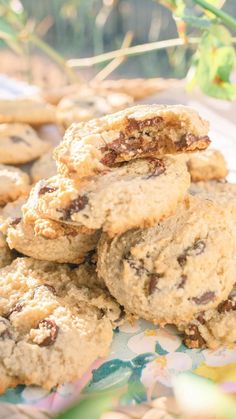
51 327
19 143
13 183
213 328
27 111
173 271
141 131
206 165
135 194
43 168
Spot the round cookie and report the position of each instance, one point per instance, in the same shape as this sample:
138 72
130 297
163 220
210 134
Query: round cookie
13 183
43 168
140 131
135 194
206 165
223 193
85 106
51 327
213 328
26 110
174 270
51 241
19 143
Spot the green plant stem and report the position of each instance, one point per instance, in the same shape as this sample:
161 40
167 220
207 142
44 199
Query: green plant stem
225 17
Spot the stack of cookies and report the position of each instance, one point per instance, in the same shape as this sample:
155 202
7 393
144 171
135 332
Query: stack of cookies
119 232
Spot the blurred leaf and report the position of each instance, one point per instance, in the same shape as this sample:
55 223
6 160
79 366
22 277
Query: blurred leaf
197 22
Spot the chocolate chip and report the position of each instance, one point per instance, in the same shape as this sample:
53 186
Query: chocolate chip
182 282
200 318
229 304
140 125
50 325
15 221
194 336
204 298
16 308
153 281
46 189
188 139
157 167
197 248
75 206
109 159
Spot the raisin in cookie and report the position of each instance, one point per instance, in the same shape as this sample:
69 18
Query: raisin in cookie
51 241
13 183
176 269
223 193
27 111
43 168
135 194
19 143
83 107
141 131
213 328
206 165
51 327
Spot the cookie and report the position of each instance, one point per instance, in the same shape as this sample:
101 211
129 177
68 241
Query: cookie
43 168
135 194
206 165
19 143
27 111
50 241
141 131
13 183
173 271
87 105
223 193
6 256
51 327
213 328
137 88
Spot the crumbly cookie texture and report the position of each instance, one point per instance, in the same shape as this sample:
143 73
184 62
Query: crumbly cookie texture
206 165
140 131
27 111
135 194
6 256
51 327
87 105
43 168
213 328
51 241
223 193
19 143
171 272
13 183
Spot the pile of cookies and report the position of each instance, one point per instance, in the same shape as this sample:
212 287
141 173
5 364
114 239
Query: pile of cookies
119 232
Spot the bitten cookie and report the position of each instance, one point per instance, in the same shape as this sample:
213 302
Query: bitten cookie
171 272
27 111
83 107
135 194
13 183
141 131
51 327
43 168
213 328
19 143
206 165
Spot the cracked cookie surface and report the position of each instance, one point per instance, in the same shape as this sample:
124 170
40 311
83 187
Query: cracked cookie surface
135 194
52 326
176 269
141 131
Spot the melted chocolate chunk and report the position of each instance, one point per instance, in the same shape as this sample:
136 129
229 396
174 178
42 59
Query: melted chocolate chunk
15 221
46 189
200 318
182 282
188 139
52 327
194 336
229 304
204 298
140 125
109 159
75 206
153 282
197 248
157 167
16 309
